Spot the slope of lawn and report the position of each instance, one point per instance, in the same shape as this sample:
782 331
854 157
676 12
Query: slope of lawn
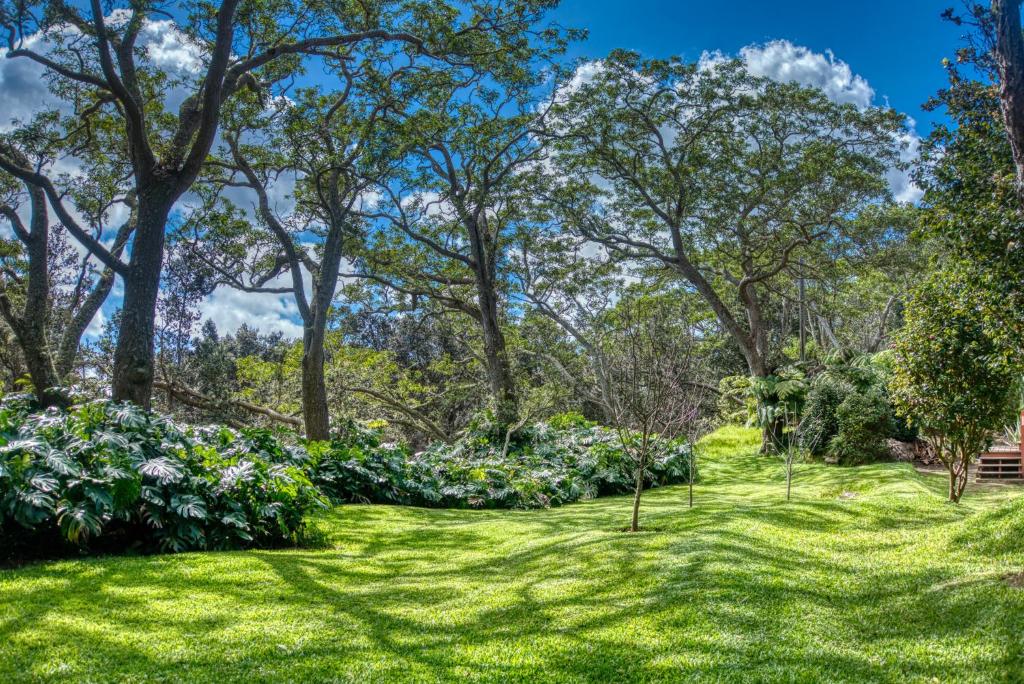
867 575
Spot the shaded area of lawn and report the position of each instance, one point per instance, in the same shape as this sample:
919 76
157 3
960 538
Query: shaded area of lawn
885 586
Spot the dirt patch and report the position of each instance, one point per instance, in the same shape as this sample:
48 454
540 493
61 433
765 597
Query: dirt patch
1015 579
848 495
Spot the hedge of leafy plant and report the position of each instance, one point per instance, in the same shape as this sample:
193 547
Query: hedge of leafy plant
113 476
548 464
107 476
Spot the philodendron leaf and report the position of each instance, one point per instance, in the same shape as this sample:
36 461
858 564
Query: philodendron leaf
189 506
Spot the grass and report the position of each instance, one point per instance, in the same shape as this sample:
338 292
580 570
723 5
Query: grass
867 575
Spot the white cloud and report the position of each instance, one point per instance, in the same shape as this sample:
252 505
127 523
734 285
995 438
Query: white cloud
229 308
95 327
23 91
902 186
23 87
169 48
781 60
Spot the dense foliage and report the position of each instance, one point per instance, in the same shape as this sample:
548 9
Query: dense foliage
563 460
951 376
109 476
848 414
838 406
123 477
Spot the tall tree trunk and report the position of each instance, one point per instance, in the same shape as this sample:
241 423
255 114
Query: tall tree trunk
30 326
499 372
134 363
67 351
771 432
315 414
1009 55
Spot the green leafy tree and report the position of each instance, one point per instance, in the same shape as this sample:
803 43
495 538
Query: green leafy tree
968 166
327 144
951 377
454 215
725 179
48 295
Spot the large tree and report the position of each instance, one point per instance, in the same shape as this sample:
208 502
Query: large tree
97 66
327 144
454 214
48 294
968 172
725 179
1008 53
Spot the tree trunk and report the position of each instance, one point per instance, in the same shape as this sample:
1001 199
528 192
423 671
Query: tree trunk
691 481
499 373
952 481
957 477
30 327
772 436
634 525
789 475
80 319
134 368
315 414
1009 54
67 351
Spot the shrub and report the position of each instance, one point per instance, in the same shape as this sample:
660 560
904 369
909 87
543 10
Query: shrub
359 467
569 420
104 477
864 422
820 422
544 466
116 476
848 415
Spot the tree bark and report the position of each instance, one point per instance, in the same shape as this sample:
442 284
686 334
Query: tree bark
957 476
315 413
81 317
634 525
134 357
1009 55
772 436
30 326
67 350
499 372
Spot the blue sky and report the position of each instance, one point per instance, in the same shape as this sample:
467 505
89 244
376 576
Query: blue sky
896 45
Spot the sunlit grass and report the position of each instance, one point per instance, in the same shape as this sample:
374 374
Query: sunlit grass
866 575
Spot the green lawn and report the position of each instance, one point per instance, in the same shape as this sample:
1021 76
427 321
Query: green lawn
867 575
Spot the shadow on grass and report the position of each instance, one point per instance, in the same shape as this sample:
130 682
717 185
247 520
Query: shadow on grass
556 595
743 587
